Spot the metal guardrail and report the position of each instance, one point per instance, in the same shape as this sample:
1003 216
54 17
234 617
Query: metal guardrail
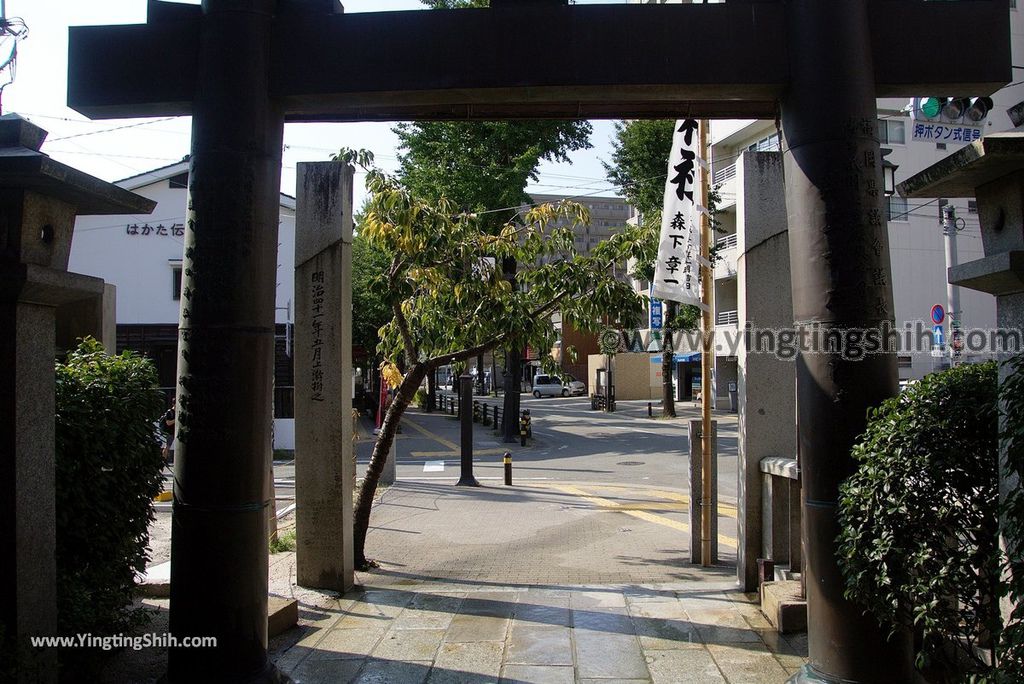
488 415
727 242
723 174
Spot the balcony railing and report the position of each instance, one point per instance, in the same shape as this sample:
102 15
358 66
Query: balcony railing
723 174
727 242
727 318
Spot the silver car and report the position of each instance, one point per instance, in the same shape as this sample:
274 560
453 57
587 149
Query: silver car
548 386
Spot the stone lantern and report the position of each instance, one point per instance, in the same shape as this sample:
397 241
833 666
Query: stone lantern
39 200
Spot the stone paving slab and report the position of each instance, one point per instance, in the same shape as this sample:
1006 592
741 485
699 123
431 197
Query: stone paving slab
532 584
474 632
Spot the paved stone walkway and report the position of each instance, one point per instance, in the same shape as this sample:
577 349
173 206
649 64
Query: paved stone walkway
698 631
551 582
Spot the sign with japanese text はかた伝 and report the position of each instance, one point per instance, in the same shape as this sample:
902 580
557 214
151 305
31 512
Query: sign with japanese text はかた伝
143 230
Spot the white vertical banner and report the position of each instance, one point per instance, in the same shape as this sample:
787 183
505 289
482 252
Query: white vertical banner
676 273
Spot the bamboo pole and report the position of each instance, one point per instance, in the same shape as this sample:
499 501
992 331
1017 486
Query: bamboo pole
707 349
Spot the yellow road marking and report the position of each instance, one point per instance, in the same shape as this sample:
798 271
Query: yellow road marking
455 454
642 515
723 508
437 438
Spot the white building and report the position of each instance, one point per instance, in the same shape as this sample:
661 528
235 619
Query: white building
142 257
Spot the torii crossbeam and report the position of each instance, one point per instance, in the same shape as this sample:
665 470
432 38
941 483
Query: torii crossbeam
727 60
244 67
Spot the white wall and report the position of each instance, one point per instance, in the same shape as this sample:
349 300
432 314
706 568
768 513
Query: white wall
140 266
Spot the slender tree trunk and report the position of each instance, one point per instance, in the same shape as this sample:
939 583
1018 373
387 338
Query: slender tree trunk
668 398
388 429
513 374
479 374
494 374
510 407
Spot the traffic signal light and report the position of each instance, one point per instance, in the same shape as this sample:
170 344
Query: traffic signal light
967 110
979 109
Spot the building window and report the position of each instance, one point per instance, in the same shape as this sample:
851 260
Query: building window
898 208
972 206
905 361
176 282
179 181
940 146
768 144
891 132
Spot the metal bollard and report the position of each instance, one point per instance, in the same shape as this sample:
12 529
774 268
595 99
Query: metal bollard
497 425
524 426
508 467
476 412
650 410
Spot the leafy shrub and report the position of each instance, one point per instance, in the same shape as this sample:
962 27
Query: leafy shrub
919 517
1011 649
108 465
420 398
284 542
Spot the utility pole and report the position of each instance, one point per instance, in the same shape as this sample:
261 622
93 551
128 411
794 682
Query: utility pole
707 350
951 225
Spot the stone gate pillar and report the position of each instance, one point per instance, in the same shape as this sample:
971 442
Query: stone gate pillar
324 456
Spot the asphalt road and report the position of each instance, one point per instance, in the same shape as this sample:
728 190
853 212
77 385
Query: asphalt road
571 443
590 452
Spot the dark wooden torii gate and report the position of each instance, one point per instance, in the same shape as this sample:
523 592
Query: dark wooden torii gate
242 68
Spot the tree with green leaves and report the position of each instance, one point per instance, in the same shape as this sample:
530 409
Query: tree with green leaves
483 167
639 163
639 167
369 308
450 299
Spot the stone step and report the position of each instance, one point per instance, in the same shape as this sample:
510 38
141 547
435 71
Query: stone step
783 607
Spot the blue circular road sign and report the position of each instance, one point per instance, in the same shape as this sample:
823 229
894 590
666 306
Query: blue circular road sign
938 314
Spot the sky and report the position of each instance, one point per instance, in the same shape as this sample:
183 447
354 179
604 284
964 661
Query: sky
113 149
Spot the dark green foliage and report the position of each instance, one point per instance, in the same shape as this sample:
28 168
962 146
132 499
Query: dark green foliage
108 471
640 152
919 516
370 309
483 165
1011 651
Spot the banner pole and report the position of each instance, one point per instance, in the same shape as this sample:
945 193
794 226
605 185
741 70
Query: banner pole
707 349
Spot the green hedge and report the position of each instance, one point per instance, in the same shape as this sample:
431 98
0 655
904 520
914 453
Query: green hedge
1011 651
108 471
919 517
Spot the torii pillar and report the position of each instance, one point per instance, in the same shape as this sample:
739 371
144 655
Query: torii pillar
241 71
841 277
219 538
